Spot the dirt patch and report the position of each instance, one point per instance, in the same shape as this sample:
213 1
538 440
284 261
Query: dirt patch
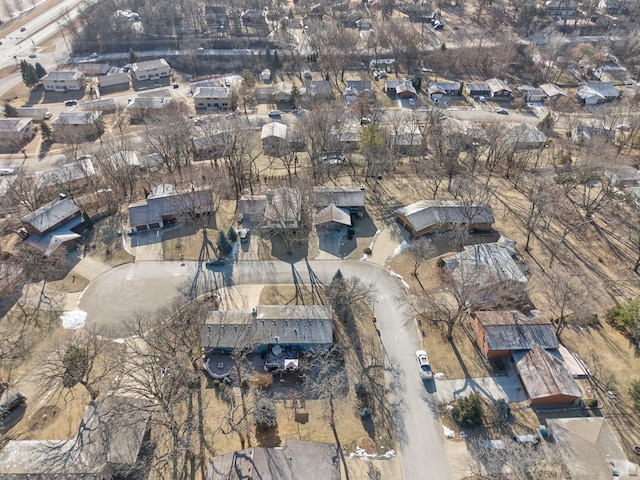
44 417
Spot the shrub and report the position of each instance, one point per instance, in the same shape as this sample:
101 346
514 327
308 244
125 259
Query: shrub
367 250
224 247
592 403
264 416
634 391
624 314
467 411
232 235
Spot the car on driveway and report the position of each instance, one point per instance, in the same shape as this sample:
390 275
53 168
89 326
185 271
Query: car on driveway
70 103
215 262
423 365
244 235
13 402
412 102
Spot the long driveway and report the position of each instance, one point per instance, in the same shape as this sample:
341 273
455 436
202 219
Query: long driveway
146 286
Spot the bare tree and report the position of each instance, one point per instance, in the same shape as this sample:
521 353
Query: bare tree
168 133
419 251
566 295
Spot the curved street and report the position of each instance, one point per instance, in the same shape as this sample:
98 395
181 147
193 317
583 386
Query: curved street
146 286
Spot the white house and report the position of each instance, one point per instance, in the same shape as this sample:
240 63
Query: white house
64 81
15 131
150 70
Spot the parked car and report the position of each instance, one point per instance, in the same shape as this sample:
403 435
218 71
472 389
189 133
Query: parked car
365 121
482 99
32 55
528 438
23 29
502 111
93 55
47 115
423 364
275 114
70 103
215 262
7 171
13 402
244 235
412 102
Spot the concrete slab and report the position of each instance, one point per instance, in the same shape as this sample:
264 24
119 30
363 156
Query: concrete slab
507 387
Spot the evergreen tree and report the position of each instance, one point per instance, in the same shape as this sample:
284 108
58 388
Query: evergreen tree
276 61
295 95
268 57
40 70
10 110
417 82
28 72
224 247
45 131
133 58
232 235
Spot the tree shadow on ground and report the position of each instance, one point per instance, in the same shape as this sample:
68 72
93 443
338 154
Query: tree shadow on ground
298 250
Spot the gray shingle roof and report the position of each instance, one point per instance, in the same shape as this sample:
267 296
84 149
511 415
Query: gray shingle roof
427 213
51 214
497 85
281 324
166 201
524 134
331 214
339 196
515 330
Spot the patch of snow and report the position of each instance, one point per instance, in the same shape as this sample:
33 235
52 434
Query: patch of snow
361 453
399 277
73 319
118 340
398 250
448 432
439 375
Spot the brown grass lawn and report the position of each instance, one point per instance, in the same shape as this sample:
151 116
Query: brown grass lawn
72 283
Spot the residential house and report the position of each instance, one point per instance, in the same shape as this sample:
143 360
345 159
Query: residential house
475 89
104 105
109 441
499 88
356 87
593 93
166 205
532 94
279 209
15 132
278 332
277 93
150 70
297 460
623 176
316 90
439 90
349 198
64 81
331 217
114 81
54 225
94 69
346 138
71 175
274 137
582 133
406 139
215 144
429 216
545 377
524 136
34 113
561 9
253 18
553 92
141 107
75 126
403 88
51 216
590 448
502 332
488 272
220 98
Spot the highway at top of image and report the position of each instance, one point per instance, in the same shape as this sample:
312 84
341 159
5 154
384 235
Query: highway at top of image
124 291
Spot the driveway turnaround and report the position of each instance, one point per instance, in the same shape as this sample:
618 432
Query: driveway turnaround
147 286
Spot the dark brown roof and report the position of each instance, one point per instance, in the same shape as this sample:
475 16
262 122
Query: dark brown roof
544 375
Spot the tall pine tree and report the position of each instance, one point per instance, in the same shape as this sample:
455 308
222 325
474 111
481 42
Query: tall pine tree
40 70
28 72
224 247
45 131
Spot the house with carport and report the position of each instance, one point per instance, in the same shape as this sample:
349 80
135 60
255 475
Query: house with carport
499 88
431 216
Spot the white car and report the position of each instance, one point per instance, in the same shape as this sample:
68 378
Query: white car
7 171
423 364
412 102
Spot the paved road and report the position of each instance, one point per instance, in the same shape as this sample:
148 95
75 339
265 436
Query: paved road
146 286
